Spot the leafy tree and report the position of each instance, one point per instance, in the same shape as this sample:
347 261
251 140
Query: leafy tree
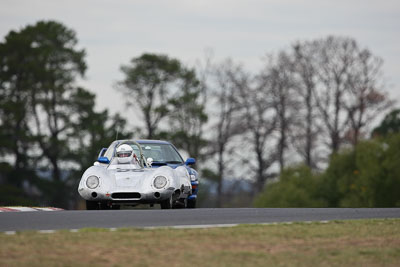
57 64
15 114
51 122
338 177
368 176
92 131
11 190
297 187
38 67
148 85
161 88
389 125
187 115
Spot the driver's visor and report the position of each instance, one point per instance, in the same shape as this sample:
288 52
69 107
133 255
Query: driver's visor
124 154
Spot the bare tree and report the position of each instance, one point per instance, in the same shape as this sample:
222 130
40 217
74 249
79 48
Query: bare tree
366 98
305 135
277 79
225 125
259 118
335 59
349 93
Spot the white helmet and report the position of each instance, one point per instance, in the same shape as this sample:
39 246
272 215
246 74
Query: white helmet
124 153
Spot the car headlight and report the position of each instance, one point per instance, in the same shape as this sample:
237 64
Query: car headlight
92 182
159 182
193 177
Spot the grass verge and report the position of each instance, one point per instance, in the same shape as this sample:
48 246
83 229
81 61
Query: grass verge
338 243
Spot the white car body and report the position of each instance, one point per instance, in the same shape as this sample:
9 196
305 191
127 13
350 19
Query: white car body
134 183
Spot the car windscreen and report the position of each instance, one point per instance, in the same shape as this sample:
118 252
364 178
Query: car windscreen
164 153
110 150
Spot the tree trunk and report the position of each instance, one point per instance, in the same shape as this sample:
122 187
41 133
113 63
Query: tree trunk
309 134
220 178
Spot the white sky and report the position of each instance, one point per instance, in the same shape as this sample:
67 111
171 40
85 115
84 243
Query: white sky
112 32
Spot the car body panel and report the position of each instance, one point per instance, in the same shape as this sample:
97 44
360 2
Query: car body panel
134 184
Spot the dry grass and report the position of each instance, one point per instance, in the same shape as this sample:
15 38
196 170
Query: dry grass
344 243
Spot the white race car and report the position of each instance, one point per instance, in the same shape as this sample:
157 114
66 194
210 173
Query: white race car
123 175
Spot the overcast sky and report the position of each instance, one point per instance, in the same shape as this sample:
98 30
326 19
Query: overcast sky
112 32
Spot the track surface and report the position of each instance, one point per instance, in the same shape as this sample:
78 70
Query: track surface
14 221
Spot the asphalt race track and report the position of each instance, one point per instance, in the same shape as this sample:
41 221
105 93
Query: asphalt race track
56 220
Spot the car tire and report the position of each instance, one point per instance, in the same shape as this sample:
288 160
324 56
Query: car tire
92 205
104 206
180 204
191 204
167 204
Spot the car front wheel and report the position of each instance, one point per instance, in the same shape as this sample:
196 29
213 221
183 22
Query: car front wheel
191 203
167 204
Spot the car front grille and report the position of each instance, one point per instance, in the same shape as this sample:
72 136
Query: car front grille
125 195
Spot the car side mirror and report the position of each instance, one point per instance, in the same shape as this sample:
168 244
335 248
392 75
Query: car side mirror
103 160
190 161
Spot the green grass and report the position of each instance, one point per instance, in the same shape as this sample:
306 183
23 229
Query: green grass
339 243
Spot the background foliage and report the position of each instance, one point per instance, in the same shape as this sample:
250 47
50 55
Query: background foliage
368 176
293 134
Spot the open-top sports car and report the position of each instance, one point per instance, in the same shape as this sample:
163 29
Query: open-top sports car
140 172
